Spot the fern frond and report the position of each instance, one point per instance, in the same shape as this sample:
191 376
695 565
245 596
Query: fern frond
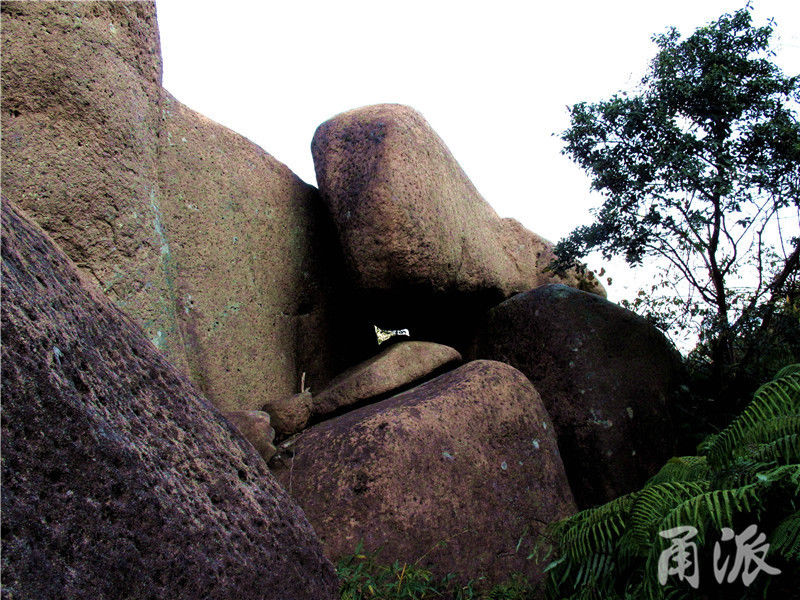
775 399
785 538
681 468
654 503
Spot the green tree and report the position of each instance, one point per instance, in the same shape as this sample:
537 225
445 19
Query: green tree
700 170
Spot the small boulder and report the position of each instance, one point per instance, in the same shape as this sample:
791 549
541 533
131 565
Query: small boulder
606 376
399 365
289 414
254 425
449 475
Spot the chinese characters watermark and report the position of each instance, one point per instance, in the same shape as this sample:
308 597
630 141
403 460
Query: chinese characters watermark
680 559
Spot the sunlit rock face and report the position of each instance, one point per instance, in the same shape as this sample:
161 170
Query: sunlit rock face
119 479
424 249
227 261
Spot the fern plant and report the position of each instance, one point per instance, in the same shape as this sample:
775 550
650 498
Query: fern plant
748 473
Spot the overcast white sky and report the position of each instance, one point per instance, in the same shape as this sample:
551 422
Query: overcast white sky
493 79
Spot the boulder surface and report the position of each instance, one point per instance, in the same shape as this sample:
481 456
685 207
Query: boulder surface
236 215
449 475
606 377
119 479
80 119
413 227
399 365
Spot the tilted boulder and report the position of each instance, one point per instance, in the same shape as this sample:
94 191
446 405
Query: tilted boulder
606 377
449 475
399 365
119 479
219 252
418 238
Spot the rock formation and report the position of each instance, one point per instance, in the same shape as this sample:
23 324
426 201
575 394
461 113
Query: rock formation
605 375
221 254
468 460
424 249
119 479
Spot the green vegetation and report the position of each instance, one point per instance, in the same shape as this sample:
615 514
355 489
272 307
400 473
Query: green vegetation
747 474
363 577
700 173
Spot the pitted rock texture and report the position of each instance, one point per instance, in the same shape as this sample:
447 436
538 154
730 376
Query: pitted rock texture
399 365
469 458
605 375
256 271
255 427
80 117
219 252
412 225
119 479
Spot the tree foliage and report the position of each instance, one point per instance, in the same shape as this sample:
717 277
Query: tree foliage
700 170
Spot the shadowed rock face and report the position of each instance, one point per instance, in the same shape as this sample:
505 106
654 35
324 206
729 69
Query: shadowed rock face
119 479
606 377
469 458
423 247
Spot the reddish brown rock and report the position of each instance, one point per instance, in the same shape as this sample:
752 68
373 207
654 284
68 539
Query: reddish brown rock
468 458
219 252
236 215
255 427
80 118
399 365
119 479
290 413
605 375
413 227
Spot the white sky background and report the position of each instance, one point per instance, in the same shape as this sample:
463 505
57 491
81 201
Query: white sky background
493 82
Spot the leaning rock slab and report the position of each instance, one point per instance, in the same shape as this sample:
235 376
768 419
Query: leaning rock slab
119 479
468 458
258 283
605 375
398 365
412 225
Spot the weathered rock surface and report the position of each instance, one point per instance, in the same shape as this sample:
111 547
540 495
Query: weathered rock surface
220 253
119 479
80 119
398 365
605 375
468 458
413 227
255 266
290 413
255 427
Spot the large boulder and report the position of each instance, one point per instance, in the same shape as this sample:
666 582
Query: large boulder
219 252
80 118
236 215
119 479
605 375
449 475
418 238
